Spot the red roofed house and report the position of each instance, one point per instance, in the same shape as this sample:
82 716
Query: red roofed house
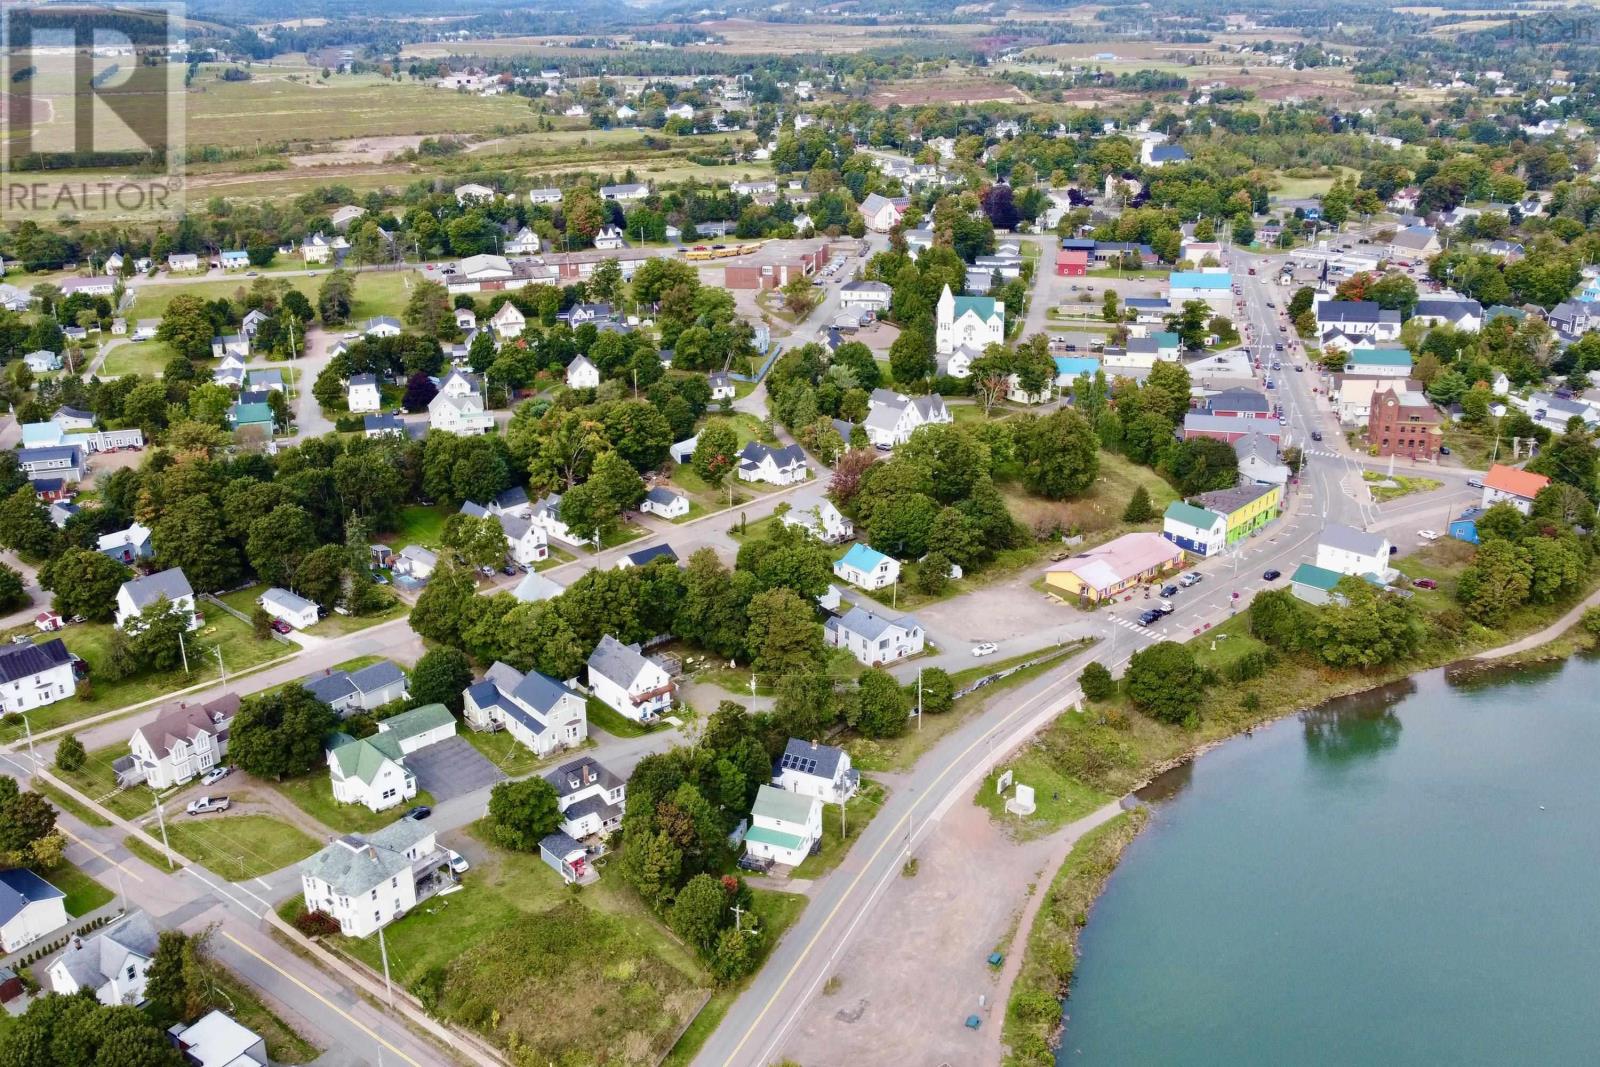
1072 262
1512 486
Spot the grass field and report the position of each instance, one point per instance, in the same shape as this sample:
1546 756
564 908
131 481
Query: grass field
92 641
516 940
514 759
146 357
238 846
613 722
313 794
84 894
421 525
377 293
1098 513
97 781
1385 488
344 106
67 803
1059 799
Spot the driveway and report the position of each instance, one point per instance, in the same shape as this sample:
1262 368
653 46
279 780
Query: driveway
452 768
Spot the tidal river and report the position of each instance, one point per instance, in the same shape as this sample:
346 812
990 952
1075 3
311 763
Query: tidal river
1411 876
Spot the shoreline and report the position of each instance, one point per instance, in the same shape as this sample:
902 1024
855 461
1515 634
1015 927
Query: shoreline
1559 640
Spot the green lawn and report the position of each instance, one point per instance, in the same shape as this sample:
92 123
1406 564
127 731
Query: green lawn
421 525
1402 485
515 941
92 641
337 625
1098 513
97 781
621 534
84 894
514 759
614 723
67 803
836 841
1059 799
377 293
145 357
238 846
313 794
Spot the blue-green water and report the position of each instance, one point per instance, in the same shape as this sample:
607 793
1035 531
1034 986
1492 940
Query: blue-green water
1408 877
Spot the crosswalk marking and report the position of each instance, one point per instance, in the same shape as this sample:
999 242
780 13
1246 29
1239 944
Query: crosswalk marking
1324 453
1131 625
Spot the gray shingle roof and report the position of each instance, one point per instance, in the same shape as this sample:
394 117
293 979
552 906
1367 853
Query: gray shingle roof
1351 540
579 774
170 583
619 662
378 675
859 621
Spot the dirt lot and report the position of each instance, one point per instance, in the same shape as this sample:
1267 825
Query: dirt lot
357 150
912 976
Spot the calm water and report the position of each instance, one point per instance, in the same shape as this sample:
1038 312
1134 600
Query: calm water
1406 878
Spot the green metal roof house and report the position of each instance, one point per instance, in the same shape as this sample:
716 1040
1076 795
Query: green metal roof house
783 826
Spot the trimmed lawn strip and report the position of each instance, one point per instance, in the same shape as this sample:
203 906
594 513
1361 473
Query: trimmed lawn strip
84 894
514 759
92 641
1405 485
238 999
898 753
153 856
336 625
858 812
313 794
420 524
239 846
1033 1012
68 803
98 781
614 723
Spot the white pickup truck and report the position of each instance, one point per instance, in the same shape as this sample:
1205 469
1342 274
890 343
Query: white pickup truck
207 804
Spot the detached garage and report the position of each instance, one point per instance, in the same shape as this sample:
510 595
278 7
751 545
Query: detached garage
419 727
295 610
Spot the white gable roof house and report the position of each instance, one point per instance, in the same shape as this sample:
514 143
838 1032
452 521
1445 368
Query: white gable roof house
582 374
461 414
111 963
362 393
32 676
893 417
1350 551
527 542
622 678
138 594
777 466
821 519
539 712
809 769
866 568
874 639
30 908
589 797
784 826
368 880
508 322
182 743
215 1040
372 771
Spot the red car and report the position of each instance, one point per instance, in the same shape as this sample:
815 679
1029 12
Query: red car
1425 583
282 627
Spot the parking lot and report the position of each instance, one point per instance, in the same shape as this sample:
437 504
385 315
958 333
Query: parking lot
452 768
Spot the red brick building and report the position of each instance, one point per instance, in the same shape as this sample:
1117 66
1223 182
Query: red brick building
1404 424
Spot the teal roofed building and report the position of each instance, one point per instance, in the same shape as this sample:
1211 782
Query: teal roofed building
1195 529
968 322
245 415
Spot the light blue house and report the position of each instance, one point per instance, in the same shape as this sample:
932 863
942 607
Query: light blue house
867 568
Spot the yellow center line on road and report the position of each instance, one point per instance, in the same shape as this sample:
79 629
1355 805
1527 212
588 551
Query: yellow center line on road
129 871
324 1000
891 839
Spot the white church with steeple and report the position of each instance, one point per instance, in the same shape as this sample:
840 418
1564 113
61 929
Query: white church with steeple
966 326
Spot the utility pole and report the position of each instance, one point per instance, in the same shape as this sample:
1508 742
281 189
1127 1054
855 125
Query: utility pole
919 699
26 725
184 652
383 950
161 818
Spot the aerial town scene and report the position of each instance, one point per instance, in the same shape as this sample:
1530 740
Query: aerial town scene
878 532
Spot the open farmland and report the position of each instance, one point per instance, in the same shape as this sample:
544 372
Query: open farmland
282 109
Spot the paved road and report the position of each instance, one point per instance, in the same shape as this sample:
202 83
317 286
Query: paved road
755 1028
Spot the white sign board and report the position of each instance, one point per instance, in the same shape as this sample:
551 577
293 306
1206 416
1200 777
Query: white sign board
1002 783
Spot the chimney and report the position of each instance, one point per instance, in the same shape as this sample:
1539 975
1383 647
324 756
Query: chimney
813 744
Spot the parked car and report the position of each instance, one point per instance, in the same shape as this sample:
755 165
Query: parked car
1444 450
458 862
1169 591
1428 535
1148 617
1316 435
1192 578
509 569
987 648
1272 576
1475 483
420 812
215 775
282 627
757 864
207 804
1425 583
